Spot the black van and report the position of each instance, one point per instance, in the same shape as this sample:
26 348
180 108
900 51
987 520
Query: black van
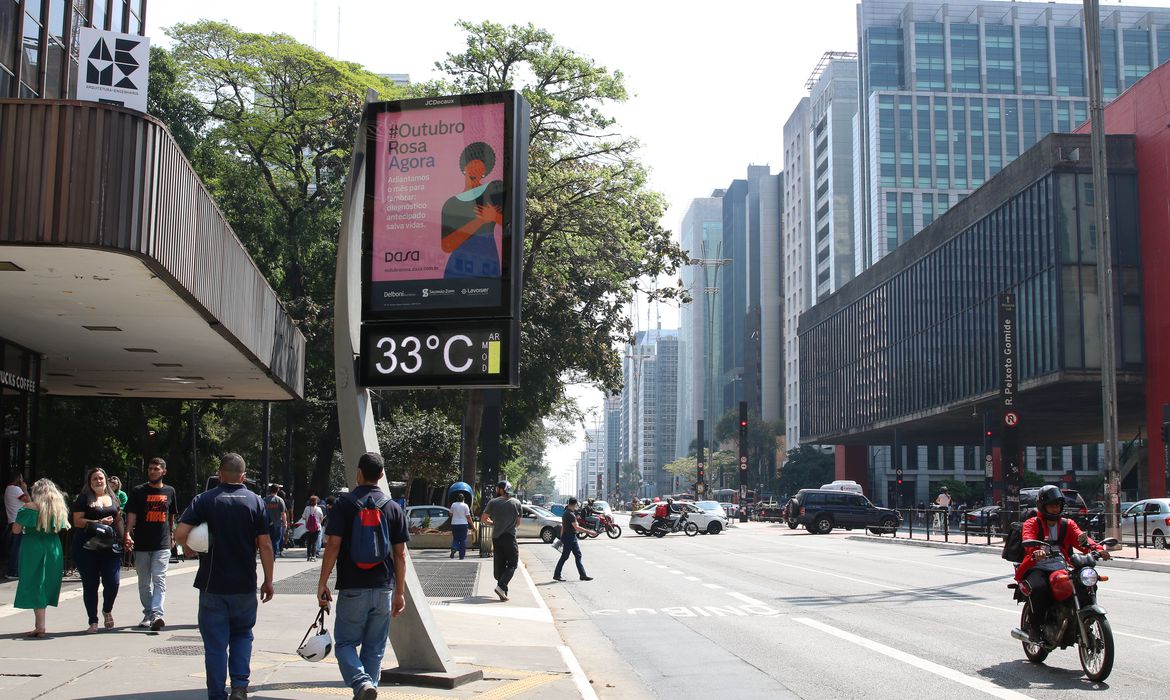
821 510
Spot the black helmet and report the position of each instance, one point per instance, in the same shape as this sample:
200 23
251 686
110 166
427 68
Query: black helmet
507 487
102 538
1049 494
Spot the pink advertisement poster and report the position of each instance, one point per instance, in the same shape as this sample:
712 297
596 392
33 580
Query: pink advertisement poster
439 193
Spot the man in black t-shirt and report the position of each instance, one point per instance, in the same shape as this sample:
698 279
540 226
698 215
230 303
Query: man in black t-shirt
569 529
150 516
367 595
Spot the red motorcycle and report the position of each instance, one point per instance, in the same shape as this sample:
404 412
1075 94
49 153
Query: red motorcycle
601 522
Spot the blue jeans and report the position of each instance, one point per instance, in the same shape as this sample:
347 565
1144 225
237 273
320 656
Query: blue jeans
152 580
363 619
276 534
459 539
98 567
569 545
225 622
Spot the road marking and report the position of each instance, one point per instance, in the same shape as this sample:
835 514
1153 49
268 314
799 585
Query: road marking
674 571
746 598
918 662
756 609
715 586
578 673
692 578
535 593
527 614
1138 636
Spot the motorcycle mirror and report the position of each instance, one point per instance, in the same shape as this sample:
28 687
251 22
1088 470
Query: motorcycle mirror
1108 542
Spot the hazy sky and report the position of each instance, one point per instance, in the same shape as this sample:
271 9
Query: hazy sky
711 84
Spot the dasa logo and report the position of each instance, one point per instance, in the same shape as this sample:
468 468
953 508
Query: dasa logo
101 66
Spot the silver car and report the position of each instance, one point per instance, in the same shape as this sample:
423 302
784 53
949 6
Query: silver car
538 522
1147 520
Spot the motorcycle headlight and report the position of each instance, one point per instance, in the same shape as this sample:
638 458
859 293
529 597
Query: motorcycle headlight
1089 577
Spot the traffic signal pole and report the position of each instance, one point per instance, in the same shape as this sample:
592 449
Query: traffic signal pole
743 453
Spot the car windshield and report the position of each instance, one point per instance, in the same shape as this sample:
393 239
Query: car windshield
710 505
601 505
542 512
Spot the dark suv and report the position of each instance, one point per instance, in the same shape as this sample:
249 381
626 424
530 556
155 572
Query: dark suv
1074 505
821 510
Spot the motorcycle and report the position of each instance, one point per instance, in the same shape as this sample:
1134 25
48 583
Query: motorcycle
1074 617
661 528
604 523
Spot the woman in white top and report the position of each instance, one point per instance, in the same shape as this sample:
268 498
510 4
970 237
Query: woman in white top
460 520
312 518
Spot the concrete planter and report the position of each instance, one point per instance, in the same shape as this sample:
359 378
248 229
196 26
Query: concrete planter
438 540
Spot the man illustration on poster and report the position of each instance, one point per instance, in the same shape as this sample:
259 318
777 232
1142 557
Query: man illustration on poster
470 218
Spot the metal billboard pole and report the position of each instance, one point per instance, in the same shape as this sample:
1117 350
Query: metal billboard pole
1104 267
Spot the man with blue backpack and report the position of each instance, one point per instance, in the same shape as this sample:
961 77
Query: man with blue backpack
365 537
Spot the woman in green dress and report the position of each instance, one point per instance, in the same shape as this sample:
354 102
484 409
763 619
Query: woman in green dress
41 562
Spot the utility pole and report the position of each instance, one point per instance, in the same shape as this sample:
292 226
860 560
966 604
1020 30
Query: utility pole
1104 267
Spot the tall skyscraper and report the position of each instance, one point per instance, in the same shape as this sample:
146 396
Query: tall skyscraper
612 408
649 404
701 320
819 247
950 92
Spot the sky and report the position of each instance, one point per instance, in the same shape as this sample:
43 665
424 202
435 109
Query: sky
711 84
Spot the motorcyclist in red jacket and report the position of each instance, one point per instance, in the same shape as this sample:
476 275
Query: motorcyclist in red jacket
1048 526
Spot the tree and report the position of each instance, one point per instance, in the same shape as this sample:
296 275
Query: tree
419 445
806 468
591 230
761 443
687 468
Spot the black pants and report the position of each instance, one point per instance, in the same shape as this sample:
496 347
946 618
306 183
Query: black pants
1041 596
569 545
98 567
505 558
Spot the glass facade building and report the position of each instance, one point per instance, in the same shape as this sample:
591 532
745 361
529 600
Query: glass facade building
952 92
39 41
914 338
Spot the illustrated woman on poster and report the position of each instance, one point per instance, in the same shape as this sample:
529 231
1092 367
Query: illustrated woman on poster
470 217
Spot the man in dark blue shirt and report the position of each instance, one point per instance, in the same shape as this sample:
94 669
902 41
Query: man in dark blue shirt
368 595
227 575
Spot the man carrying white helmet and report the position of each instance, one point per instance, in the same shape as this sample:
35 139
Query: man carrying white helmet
503 514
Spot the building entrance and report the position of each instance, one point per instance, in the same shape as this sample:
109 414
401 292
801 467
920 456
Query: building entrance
20 371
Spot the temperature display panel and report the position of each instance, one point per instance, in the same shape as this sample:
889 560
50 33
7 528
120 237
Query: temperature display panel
411 355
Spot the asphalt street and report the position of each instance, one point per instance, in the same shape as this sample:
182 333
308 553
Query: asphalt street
762 611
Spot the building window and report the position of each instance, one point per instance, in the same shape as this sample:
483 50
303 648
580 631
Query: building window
1034 60
965 58
1137 54
1109 62
1001 58
929 56
884 58
1070 61
31 49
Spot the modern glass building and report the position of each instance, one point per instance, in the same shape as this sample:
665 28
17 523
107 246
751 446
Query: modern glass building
952 92
39 41
906 353
700 395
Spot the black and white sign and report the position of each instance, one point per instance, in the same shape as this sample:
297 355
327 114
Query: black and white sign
115 68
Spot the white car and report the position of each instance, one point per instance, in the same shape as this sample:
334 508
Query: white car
1148 520
711 520
439 515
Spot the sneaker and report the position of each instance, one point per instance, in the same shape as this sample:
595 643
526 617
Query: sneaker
452 554
145 624
586 578
501 593
157 624
366 691
238 693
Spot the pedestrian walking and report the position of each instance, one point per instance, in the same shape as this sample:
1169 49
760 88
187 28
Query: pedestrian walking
460 522
277 518
503 514
14 498
238 527
116 487
39 521
366 540
97 549
569 530
313 518
942 507
150 519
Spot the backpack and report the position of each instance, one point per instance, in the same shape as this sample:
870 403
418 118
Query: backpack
369 543
311 524
1013 542
660 511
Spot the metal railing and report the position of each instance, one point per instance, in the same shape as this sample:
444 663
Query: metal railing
946 525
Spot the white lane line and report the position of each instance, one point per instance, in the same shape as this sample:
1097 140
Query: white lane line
1138 636
715 586
578 673
651 563
674 571
746 598
916 661
535 593
692 578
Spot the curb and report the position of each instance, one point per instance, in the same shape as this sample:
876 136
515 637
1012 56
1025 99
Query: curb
1131 564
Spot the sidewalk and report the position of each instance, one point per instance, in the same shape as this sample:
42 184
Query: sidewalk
1146 560
516 644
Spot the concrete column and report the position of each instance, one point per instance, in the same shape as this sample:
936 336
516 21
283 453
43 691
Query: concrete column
853 464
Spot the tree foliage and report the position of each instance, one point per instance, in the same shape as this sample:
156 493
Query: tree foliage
806 468
761 442
419 445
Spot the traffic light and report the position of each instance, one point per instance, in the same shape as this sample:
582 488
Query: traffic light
898 473
743 417
702 472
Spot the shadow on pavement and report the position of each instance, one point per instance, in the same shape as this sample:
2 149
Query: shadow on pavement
1022 674
254 691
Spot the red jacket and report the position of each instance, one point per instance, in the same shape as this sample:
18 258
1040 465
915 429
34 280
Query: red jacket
1034 530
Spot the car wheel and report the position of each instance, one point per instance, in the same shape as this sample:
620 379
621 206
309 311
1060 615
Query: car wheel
793 524
823 525
547 535
714 528
889 525
1159 540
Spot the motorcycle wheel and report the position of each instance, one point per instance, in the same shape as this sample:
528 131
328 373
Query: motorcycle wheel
1035 653
658 532
691 529
1097 654
614 532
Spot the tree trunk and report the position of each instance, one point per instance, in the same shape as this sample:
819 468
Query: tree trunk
326 445
472 421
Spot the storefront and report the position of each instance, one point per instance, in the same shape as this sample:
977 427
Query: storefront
20 371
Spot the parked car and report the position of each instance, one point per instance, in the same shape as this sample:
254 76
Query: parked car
821 510
538 522
712 521
1074 505
771 512
980 519
417 515
1148 520
730 509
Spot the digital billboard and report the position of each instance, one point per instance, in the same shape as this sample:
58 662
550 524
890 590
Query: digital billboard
465 353
444 209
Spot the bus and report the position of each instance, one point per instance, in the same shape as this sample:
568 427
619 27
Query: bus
732 496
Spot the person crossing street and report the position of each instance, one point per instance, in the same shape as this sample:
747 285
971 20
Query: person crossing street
570 528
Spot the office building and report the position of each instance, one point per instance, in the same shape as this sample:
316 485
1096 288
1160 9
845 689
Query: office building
701 321
649 405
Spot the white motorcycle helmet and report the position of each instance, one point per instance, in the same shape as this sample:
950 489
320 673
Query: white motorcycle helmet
199 539
317 643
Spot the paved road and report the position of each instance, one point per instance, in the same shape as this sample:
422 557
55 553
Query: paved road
764 612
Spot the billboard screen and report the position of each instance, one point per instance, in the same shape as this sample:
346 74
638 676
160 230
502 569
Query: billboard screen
443 224
464 353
